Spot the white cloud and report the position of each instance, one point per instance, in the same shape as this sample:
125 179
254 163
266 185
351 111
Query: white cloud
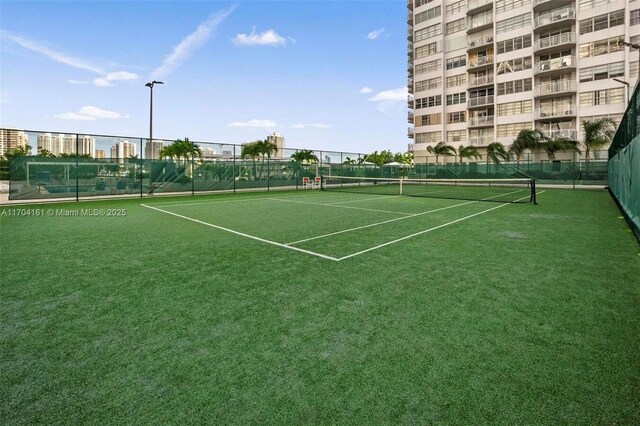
267 38
366 90
90 113
374 35
114 76
70 81
393 95
191 43
253 123
390 100
63 58
311 125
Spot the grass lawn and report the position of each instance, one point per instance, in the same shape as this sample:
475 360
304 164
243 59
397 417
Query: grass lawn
311 307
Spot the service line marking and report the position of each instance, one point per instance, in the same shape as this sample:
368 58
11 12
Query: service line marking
339 206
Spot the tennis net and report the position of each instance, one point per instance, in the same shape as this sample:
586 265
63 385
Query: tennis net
496 190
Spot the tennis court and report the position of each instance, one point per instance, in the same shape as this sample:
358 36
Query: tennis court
351 221
321 307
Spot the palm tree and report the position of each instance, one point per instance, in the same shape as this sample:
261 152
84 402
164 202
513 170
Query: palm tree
19 151
441 149
597 134
265 148
468 152
43 152
552 146
348 161
495 152
526 139
301 157
253 151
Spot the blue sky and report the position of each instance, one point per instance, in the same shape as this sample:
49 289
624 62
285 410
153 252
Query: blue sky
325 74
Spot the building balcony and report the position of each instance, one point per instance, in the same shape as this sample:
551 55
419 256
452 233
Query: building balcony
479 42
559 111
480 62
570 134
410 4
411 147
410 132
410 117
410 34
480 81
555 18
410 18
410 101
486 121
554 88
555 65
556 42
478 23
544 5
475 6
480 101
481 140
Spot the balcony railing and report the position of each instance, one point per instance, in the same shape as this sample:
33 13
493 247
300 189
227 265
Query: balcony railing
481 81
410 132
478 61
410 101
411 147
410 117
570 134
479 41
553 87
555 40
474 4
481 121
555 16
410 34
556 111
482 100
410 4
481 140
555 64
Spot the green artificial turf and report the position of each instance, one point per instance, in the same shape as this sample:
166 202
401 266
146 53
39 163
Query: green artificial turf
523 314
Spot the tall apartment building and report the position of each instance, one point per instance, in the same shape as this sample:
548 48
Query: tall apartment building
152 149
12 138
278 140
123 149
480 70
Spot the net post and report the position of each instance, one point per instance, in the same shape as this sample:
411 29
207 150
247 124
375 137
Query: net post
401 185
533 192
322 182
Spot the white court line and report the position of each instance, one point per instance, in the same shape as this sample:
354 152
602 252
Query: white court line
392 220
179 204
241 233
363 199
333 205
430 229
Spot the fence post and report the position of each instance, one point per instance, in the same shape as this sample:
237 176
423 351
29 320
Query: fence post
77 167
142 165
233 167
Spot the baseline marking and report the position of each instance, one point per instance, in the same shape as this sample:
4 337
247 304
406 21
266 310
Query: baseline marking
430 229
241 233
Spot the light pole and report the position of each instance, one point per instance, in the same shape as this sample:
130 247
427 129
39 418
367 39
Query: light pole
634 46
150 86
626 83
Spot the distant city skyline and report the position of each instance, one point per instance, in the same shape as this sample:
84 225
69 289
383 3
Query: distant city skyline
234 72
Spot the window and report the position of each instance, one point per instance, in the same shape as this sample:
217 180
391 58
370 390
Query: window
428 32
514 65
457 25
456 117
434 12
428 49
602 97
428 137
634 17
457 80
456 62
428 67
601 47
419 3
456 136
513 23
457 98
602 72
515 108
633 69
431 83
504 5
428 120
429 101
514 86
456 7
590 4
512 129
514 44
602 22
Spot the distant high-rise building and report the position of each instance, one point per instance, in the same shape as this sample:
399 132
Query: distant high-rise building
123 149
100 153
278 141
152 149
481 70
12 138
50 142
